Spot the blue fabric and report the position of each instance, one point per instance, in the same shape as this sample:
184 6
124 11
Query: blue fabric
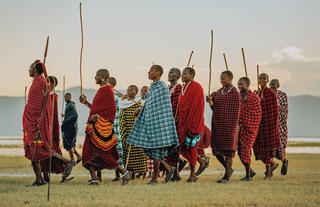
192 141
117 130
69 127
155 126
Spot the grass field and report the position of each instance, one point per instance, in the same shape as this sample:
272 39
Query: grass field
301 187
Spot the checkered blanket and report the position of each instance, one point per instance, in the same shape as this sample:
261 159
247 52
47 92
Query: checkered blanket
154 126
116 129
225 119
283 117
268 137
250 118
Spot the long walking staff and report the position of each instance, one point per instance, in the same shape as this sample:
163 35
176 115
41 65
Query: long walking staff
81 50
258 72
46 51
244 62
210 63
63 91
225 61
51 140
190 58
25 95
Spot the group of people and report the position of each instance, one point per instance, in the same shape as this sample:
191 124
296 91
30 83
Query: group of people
151 133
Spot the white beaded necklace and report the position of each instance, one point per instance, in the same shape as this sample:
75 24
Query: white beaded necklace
173 88
227 91
184 89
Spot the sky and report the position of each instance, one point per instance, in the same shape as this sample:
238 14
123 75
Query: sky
126 37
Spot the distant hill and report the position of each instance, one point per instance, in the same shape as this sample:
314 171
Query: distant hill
304 114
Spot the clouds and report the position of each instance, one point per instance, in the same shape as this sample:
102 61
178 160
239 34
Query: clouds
298 74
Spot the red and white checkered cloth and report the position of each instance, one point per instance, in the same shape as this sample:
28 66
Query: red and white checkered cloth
150 165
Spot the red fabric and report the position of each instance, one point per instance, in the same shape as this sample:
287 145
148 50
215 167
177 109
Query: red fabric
37 121
205 141
104 104
225 119
250 118
93 156
191 120
57 164
268 138
175 98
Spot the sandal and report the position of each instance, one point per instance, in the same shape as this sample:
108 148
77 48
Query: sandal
284 168
252 173
205 166
182 164
248 179
78 160
192 180
36 183
116 179
169 175
152 182
67 170
222 180
94 182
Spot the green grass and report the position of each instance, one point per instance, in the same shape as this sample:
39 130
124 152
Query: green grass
301 187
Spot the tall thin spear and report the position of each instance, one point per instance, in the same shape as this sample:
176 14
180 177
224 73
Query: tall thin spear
244 62
225 61
258 72
46 51
63 91
210 62
25 95
190 58
81 50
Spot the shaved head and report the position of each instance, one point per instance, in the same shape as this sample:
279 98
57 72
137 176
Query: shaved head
112 81
264 75
103 72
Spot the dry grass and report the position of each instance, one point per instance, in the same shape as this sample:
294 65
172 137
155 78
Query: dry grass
301 187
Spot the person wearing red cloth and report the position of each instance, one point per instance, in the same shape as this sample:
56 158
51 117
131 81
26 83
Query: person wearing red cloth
268 138
225 105
37 124
99 148
57 166
250 118
191 120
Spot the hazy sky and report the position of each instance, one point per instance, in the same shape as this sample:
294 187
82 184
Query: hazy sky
125 37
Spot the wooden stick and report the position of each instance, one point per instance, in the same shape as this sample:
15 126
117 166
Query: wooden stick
63 91
51 135
128 155
244 62
258 72
190 58
225 61
152 62
210 62
46 51
193 66
81 50
121 94
25 95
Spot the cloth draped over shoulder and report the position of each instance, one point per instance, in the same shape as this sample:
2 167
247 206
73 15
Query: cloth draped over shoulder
37 121
69 126
137 161
191 120
57 164
225 119
250 118
268 138
174 95
116 128
283 117
154 126
99 149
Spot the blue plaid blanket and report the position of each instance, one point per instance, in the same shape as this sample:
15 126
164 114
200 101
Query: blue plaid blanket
154 126
116 129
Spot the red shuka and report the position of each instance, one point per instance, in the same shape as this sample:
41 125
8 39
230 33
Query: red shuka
268 138
205 141
250 118
191 120
57 164
225 119
104 105
37 121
